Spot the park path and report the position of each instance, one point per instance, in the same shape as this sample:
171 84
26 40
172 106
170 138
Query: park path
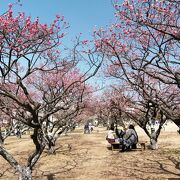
87 157
95 159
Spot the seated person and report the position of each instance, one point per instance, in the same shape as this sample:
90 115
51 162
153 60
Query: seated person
130 139
119 133
112 137
86 129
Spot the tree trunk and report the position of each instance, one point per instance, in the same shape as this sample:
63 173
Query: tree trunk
153 140
1 137
153 144
39 142
153 135
25 173
51 150
52 143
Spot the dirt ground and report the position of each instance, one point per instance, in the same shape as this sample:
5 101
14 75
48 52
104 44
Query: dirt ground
89 157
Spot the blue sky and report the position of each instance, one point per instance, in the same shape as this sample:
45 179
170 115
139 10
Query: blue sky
82 15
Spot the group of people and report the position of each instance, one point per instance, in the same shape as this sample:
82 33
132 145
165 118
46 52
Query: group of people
128 138
88 128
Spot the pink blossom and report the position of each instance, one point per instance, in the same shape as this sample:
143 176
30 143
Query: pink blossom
10 5
62 18
62 35
84 41
57 16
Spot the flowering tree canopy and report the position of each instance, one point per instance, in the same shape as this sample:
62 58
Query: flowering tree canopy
147 35
38 80
142 49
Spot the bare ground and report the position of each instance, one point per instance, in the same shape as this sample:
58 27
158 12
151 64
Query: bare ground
88 156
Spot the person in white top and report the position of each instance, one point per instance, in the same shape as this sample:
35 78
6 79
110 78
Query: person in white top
112 136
